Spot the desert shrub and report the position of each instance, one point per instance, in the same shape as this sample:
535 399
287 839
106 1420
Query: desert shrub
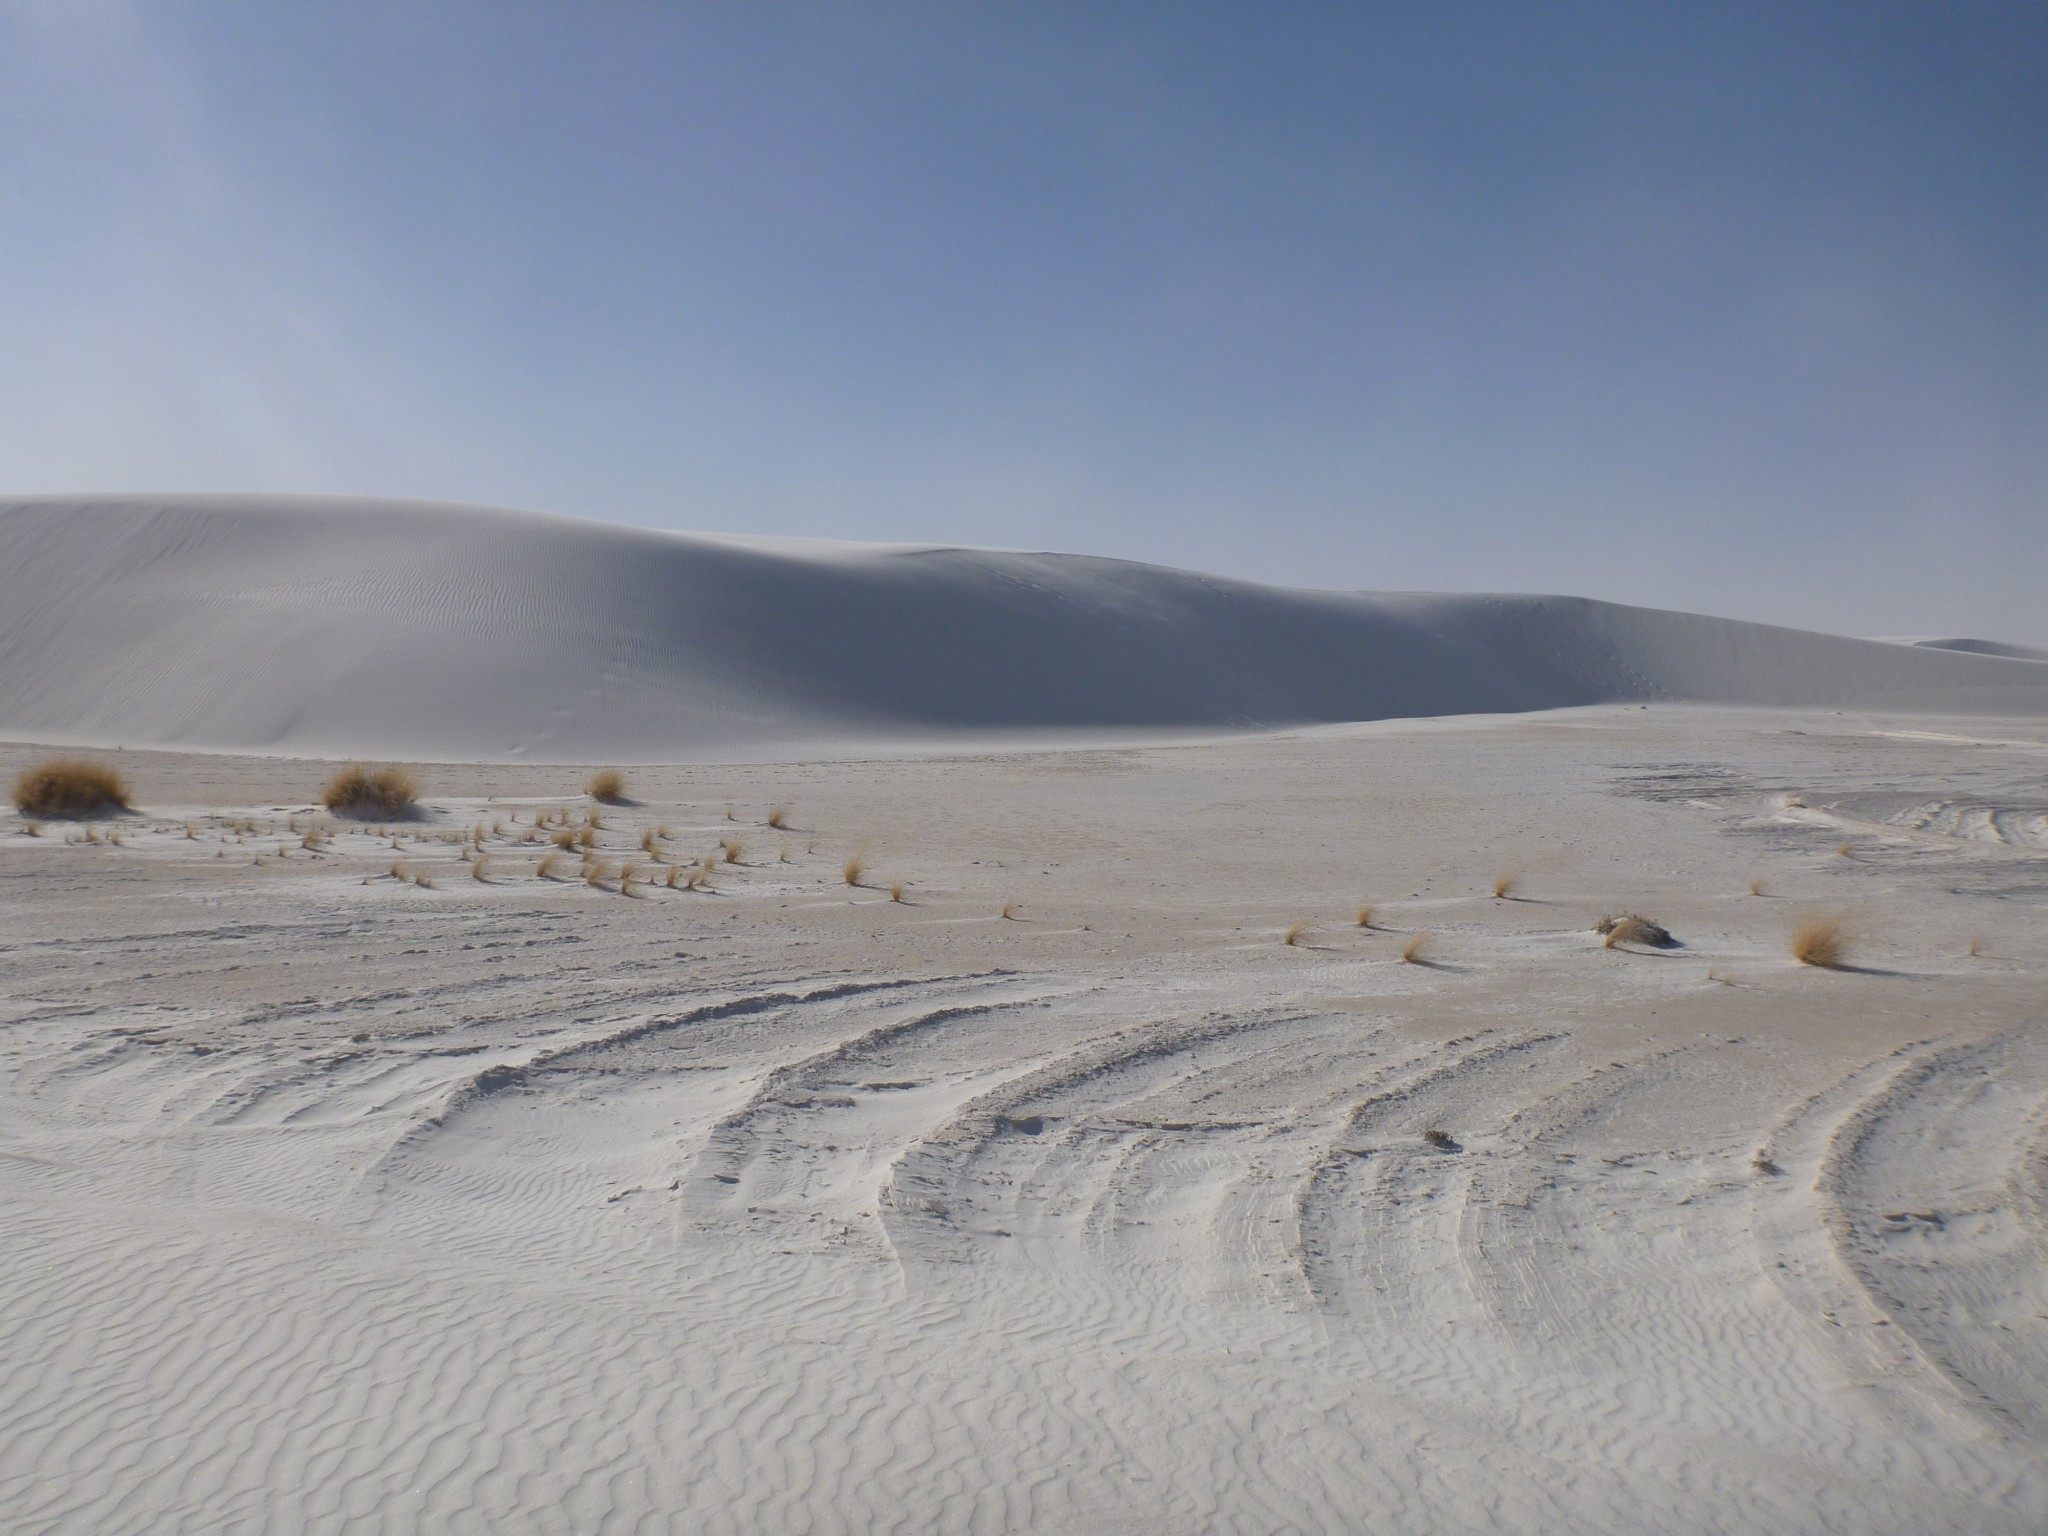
69 786
1821 941
363 792
608 785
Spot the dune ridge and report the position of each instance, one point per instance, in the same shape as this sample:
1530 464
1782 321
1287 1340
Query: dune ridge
328 625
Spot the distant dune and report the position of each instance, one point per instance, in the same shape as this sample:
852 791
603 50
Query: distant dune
1983 647
289 624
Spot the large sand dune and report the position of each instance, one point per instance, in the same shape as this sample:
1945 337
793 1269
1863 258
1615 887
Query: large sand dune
316 625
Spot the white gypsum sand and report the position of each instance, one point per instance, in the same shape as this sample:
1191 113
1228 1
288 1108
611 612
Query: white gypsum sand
333 1201
394 629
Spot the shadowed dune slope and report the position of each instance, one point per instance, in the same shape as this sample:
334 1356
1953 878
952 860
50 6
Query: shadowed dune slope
320 625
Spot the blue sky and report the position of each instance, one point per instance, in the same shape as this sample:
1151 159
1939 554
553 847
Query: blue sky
1742 309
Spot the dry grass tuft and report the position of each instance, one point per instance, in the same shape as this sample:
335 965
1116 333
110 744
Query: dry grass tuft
596 871
1505 882
1296 932
1416 950
650 844
33 828
364 792
563 837
628 874
480 869
1365 914
854 868
730 849
897 890
69 786
1821 941
424 881
607 784
1441 1139
1010 911
1976 949
551 866
1845 850
1764 1163
586 839
731 814
1756 886
778 817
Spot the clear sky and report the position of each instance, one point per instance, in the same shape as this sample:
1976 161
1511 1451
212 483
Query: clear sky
1742 309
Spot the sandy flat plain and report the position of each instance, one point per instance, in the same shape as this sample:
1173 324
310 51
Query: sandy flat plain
336 1201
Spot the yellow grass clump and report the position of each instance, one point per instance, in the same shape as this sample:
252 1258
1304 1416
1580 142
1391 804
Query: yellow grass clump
731 848
1365 914
551 866
1416 950
480 869
628 874
607 784
1756 886
1976 948
1296 932
69 786
778 816
855 867
897 890
1821 941
1010 911
1505 882
363 792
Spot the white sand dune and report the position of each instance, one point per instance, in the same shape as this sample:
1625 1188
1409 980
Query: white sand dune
405 629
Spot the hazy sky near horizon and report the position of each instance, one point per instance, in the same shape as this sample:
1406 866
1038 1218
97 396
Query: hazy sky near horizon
1733 308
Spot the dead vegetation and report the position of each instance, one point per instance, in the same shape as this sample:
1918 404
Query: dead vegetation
70 786
1365 914
1506 883
855 867
1296 933
1418 948
778 817
607 785
362 792
1756 886
1822 941
898 891
1633 928
1009 912
1441 1139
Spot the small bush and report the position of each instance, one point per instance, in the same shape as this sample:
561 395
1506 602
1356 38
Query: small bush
69 786
608 785
1756 886
1296 932
853 869
778 817
1505 883
730 848
1009 911
1821 941
363 792
1365 914
898 890
1629 928
1416 950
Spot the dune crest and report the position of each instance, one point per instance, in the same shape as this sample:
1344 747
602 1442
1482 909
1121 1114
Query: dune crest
304 624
